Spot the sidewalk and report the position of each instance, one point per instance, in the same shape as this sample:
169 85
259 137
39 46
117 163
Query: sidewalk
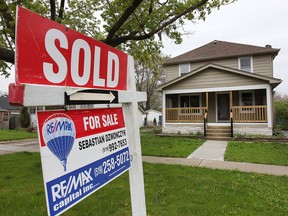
29 145
210 150
223 165
209 155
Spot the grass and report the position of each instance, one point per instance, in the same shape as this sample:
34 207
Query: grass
182 147
257 152
6 135
170 190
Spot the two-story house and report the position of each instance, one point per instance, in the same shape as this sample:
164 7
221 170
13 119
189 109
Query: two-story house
220 84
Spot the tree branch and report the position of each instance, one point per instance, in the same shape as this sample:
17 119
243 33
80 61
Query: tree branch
122 20
61 10
116 41
7 55
52 10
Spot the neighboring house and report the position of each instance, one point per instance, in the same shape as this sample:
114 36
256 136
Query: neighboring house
9 115
141 114
223 84
151 115
33 110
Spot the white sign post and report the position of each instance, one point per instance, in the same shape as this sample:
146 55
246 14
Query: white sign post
50 68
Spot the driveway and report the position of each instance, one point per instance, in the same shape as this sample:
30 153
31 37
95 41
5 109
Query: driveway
30 145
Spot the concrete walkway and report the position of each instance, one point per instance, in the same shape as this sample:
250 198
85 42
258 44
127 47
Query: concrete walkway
209 155
223 165
210 150
29 145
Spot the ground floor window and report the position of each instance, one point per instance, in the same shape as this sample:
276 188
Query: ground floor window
190 101
247 98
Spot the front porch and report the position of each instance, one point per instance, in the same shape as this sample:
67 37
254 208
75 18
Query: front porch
243 114
246 111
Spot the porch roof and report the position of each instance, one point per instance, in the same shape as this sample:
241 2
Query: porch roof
272 81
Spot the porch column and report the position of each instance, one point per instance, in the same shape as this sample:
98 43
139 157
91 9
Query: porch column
163 108
269 105
231 100
207 101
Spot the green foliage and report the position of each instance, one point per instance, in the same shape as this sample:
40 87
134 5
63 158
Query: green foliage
103 20
153 145
149 74
257 152
169 189
24 118
17 134
281 108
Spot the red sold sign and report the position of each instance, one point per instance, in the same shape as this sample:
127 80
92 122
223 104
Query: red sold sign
48 53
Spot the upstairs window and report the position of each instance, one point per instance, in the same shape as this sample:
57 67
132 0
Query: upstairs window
245 64
184 69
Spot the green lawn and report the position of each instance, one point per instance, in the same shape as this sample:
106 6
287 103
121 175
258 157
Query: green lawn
170 190
6 135
182 147
257 152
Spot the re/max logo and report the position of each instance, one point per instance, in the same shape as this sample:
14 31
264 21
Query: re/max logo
64 188
58 125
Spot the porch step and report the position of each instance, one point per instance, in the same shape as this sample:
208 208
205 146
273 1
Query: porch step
219 138
218 133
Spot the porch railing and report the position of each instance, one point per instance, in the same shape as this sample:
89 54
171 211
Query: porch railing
185 115
249 114
241 114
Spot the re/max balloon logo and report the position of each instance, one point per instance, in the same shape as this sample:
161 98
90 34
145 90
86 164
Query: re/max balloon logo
58 125
59 134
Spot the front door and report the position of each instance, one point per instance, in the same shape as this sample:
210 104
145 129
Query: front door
223 107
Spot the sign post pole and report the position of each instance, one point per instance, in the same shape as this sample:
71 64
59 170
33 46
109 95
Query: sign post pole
136 171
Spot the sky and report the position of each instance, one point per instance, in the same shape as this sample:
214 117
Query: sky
254 22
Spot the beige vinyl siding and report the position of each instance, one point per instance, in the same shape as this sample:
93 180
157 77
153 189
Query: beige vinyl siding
263 65
212 78
172 72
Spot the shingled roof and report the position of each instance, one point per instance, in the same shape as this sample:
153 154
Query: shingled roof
221 49
4 104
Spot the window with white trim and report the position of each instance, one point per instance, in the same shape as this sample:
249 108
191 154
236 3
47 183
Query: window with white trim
245 64
184 69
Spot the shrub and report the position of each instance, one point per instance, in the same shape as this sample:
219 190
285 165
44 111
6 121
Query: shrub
24 118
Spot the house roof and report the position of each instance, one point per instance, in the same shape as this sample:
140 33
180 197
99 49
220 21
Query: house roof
141 110
221 49
4 104
155 111
273 81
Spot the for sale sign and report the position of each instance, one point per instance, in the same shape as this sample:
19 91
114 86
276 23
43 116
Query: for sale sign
49 53
81 151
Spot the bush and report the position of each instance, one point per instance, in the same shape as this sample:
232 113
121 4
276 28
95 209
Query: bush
281 108
24 118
